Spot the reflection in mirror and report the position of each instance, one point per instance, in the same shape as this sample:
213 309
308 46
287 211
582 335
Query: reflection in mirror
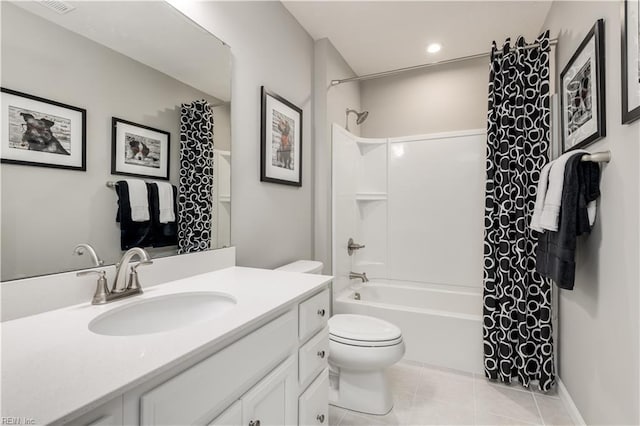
137 61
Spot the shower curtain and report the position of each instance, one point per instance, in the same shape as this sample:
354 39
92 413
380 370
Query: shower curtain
517 300
195 200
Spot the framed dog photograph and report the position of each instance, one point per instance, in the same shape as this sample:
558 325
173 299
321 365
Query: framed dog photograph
138 150
41 132
582 93
280 140
630 61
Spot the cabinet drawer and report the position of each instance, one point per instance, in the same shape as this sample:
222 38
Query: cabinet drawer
313 404
313 356
314 314
197 394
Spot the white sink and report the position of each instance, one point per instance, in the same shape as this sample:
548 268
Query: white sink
162 313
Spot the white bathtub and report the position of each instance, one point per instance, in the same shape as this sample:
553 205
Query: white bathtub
441 325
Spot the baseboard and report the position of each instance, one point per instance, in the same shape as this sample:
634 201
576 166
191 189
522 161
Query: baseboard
566 399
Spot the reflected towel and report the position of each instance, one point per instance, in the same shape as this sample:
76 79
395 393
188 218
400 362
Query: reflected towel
165 202
138 200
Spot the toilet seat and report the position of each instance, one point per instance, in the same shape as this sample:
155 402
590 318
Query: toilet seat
365 343
364 331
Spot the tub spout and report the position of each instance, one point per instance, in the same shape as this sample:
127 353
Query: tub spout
362 276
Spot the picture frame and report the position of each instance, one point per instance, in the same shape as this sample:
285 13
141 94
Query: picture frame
280 140
138 150
630 61
582 92
42 132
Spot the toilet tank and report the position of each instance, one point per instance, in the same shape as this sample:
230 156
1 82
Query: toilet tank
303 266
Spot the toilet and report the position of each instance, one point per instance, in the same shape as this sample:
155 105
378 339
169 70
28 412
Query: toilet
360 349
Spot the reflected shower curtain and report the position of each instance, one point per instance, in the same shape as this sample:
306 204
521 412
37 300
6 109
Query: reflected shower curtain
195 199
517 300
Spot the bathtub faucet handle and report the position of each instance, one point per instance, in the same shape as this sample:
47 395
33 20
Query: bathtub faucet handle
352 246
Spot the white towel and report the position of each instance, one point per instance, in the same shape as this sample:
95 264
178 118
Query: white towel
540 196
165 202
552 201
138 199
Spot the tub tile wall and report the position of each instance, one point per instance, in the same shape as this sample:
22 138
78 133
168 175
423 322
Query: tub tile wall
427 395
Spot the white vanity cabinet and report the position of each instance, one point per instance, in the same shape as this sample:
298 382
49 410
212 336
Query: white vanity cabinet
275 375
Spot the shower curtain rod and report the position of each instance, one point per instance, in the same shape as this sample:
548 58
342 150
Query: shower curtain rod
552 42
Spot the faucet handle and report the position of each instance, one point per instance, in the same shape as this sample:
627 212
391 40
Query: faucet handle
134 283
102 291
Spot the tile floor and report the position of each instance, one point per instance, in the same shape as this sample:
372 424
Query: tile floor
430 396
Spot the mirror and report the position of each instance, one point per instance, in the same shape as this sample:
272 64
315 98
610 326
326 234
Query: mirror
137 61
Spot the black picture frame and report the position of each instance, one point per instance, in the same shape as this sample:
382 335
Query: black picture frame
592 115
127 162
278 164
630 43
60 146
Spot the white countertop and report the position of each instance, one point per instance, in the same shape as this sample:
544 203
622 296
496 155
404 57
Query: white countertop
53 366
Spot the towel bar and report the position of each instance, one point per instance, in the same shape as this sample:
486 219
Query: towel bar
598 157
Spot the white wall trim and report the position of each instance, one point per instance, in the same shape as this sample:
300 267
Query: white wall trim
566 399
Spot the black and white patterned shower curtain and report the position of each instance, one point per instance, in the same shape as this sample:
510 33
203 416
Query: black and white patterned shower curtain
517 334
195 199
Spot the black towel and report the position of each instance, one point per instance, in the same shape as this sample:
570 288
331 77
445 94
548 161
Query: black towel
163 234
556 251
132 234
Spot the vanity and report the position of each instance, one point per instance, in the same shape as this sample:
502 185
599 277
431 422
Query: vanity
261 361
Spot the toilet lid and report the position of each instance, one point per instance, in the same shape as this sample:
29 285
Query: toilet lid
362 328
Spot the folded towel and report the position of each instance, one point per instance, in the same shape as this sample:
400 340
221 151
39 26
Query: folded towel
132 234
138 200
540 196
165 202
162 234
553 198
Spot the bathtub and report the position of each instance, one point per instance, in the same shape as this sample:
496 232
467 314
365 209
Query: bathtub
441 325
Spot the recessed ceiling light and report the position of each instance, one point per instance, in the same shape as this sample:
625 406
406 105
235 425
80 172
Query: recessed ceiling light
434 47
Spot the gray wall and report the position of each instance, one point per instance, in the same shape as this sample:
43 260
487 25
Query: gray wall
599 319
272 224
330 104
46 212
439 99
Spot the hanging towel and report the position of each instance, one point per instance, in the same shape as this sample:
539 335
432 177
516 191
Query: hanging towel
138 200
553 198
166 202
555 254
132 233
540 196
162 234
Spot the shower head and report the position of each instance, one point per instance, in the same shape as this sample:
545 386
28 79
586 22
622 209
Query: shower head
360 116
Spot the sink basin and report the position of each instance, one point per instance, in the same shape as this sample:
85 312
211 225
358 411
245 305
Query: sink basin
162 313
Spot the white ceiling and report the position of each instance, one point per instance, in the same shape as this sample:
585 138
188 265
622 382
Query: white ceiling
153 33
376 36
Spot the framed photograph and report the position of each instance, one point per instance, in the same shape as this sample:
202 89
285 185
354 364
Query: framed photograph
630 61
138 150
582 93
280 141
42 132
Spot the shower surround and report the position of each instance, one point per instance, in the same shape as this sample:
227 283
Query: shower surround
416 203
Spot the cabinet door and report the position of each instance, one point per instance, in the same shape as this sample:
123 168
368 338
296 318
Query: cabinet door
109 414
314 402
273 401
232 416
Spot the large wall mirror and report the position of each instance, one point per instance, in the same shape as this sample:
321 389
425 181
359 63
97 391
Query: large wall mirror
137 61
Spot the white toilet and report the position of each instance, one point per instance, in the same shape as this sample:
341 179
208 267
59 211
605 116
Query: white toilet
360 349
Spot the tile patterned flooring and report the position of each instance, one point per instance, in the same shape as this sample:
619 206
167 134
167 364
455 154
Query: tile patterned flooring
431 396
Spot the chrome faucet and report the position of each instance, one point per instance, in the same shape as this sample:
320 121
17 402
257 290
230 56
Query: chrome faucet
121 288
362 276
80 249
